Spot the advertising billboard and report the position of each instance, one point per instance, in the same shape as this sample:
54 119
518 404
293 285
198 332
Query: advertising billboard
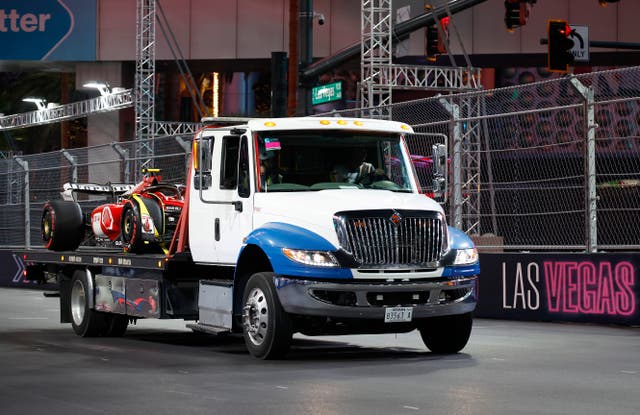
48 30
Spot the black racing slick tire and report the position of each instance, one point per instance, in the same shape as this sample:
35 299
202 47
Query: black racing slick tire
447 334
86 322
266 327
133 237
62 225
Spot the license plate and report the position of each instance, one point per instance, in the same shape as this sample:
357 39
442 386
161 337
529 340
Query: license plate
398 314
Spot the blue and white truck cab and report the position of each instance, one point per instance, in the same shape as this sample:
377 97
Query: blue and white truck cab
326 231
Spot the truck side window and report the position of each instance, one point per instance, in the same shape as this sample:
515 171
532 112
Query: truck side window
243 169
229 162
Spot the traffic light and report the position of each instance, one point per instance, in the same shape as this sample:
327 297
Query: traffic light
516 13
511 14
433 43
559 55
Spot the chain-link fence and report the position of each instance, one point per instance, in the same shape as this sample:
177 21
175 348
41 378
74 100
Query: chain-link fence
31 180
547 165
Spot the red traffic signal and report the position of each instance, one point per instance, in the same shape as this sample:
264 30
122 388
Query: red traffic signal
560 45
433 43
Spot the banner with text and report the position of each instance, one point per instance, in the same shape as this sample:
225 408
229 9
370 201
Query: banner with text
48 30
598 288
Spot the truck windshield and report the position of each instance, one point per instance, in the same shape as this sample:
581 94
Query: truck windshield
318 160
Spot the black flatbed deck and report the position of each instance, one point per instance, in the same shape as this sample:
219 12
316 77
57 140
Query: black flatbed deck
100 257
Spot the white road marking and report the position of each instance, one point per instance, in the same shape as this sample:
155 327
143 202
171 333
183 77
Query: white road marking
414 408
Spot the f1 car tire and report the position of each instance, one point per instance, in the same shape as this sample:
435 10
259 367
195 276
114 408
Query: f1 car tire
62 225
133 239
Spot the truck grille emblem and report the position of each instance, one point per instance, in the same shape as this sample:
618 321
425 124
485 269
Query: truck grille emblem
395 218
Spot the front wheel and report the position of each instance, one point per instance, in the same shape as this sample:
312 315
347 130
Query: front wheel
265 325
448 334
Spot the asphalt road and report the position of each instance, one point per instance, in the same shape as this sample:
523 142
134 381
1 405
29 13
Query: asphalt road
160 367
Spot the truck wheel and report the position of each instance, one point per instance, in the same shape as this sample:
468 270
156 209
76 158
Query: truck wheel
116 325
448 334
85 321
265 325
61 225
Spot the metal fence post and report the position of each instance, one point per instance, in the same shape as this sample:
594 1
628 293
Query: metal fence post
27 206
124 154
74 166
454 110
591 227
186 147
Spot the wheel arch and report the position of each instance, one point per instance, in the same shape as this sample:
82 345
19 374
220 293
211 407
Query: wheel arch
251 260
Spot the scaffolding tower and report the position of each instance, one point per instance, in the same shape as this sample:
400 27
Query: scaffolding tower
379 76
145 82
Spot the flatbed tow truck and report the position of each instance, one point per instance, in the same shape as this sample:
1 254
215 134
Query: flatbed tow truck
277 230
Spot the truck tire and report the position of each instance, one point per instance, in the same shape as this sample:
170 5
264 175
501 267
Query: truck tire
116 325
61 225
448 334
86 322
265 325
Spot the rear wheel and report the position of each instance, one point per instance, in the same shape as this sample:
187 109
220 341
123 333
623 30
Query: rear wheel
62 225
447 334
116 325
265 325
86 322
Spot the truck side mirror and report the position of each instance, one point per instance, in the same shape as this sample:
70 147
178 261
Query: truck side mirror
440 170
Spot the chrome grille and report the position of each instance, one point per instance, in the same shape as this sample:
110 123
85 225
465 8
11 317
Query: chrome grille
392 237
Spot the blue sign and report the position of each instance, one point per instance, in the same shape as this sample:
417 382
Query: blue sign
48 30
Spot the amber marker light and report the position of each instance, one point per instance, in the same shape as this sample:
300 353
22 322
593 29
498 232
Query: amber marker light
342 122
405 127
358 123
269 124
325 122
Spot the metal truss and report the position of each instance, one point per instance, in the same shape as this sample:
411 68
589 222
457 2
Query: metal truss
376 48
471 109
167 128
435 78
145 82
71 111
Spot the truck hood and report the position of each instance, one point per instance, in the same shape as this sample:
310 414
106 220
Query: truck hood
315 210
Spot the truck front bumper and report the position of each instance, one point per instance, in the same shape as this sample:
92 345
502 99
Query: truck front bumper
368 300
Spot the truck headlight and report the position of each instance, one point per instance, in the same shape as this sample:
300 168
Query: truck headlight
466 256
313 258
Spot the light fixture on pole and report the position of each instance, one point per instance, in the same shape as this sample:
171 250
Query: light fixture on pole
41 103
100 86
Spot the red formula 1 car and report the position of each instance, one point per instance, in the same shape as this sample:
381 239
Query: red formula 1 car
143 217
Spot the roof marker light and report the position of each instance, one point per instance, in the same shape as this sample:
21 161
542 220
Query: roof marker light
358 123
405 127
269 124
342 122
325 122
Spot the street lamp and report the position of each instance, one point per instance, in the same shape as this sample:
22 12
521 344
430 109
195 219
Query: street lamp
100 86
41 103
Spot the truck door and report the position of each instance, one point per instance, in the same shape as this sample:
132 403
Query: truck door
221 212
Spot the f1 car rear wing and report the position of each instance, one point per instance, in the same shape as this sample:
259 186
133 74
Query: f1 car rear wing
69 189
